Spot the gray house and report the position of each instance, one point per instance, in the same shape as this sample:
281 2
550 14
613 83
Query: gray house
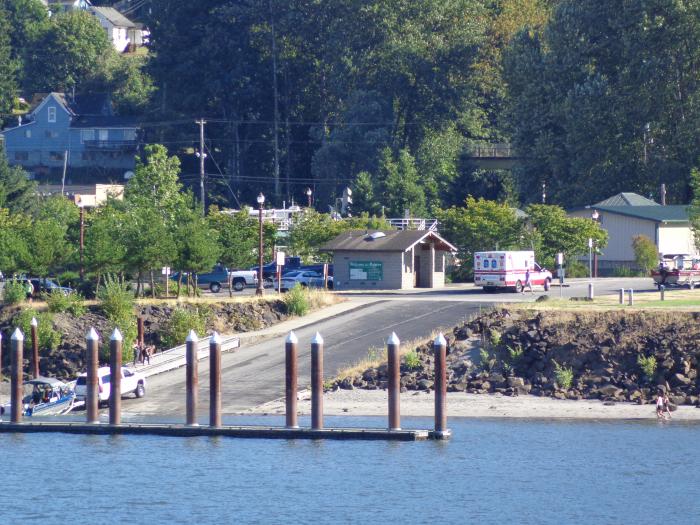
83 133
388 260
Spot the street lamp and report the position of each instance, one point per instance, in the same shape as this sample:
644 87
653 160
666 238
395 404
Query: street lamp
594 216
260 290
81 206
308 195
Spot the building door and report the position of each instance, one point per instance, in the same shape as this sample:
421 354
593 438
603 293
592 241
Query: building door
416 271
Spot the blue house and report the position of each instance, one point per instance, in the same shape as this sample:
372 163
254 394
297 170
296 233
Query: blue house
83 133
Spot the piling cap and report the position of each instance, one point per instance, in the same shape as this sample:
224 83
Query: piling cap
192 337
393 339
92 335
291 338
215 339
0 336
317 340
34 322
440 340
116 335
17 335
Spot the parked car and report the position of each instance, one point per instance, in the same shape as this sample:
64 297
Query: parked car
317 267
305 278
47 286
132 382
270 269
218 278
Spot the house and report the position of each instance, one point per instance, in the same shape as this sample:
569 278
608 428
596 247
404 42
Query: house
56 6
388 260
81 135
627 215
124 34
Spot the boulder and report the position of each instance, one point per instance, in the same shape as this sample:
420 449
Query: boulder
609 390
425 384
679 380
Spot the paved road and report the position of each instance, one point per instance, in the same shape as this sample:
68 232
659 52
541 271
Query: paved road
254 374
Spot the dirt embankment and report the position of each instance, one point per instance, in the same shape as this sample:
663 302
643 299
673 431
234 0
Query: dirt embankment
67 360
566 355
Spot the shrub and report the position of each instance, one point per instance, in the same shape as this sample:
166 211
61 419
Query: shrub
515 354
412 360
14 292
495 337
646 253
484 358
626 271
59 302
48 337
181 322
564 376
68 278
297 301
648 366
576 269
116 298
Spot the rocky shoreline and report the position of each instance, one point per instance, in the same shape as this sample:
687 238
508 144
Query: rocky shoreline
563 355
67 359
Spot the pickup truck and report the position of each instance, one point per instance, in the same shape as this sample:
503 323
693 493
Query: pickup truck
219 278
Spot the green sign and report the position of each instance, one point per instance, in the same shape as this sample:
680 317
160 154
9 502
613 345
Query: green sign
366 271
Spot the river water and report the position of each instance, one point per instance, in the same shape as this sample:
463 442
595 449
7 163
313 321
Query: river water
492 471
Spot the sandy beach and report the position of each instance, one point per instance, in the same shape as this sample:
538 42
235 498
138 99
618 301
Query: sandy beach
374 403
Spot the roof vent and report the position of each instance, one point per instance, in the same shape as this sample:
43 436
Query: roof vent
375 235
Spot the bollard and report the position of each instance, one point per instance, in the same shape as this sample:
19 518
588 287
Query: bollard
622 296
317 382
662 289
290 380
394 370
139 331
591 291
440 349
631 297
115 378
92 398
35 348
16 359
192 378
215 380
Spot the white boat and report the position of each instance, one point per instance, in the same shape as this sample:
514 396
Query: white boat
45 396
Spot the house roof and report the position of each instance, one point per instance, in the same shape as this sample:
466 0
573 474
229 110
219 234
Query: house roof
656 213
114 16
102 121
384 241
626 199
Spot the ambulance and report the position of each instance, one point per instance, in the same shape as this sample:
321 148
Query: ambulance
496 269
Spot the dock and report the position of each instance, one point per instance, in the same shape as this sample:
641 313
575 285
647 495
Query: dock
254 432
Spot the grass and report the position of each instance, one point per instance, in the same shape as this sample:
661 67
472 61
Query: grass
675 300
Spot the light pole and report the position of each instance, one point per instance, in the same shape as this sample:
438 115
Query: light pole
594 217
81 206
260 290
308 196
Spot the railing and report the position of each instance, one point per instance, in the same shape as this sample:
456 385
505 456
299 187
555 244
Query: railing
414 224
496 150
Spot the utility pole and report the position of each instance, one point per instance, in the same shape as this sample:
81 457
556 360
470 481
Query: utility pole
201 156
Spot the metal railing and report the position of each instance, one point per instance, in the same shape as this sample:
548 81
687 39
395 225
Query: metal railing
414 224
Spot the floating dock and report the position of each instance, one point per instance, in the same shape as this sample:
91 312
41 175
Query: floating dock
258 432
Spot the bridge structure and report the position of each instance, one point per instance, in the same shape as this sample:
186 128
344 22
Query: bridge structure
494 156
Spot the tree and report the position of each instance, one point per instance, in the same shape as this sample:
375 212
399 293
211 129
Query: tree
14 251
47 246
72 50
555 233
105 249
197 243
646 255
8 66
17 192
399 185
694 208
238 237
482 225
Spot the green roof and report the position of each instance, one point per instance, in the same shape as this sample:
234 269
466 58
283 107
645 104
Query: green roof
626 199
656 213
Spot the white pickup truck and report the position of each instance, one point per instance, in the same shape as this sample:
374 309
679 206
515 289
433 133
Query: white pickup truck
132 382
220 276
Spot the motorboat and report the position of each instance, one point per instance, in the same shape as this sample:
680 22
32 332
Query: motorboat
45 396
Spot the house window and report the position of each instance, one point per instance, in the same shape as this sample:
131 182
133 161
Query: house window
21 155
129 134
56 155
52 114
88 155
104 135
51 134
86 135
27 133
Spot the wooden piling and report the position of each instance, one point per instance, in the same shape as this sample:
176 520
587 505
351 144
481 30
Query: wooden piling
290 380
317 382
192 377
16 361
35 348
215 381
394 370
92 398
139 330
115 378
440 349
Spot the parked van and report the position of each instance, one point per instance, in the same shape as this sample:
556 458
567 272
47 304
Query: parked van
506 269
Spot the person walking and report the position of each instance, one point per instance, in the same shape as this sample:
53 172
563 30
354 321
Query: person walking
661 405
29 288
667 405
528 282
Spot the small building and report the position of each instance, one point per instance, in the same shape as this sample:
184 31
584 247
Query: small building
88 196
123 33
80 133
388 260
626 215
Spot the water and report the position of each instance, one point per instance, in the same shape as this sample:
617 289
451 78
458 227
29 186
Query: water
492 471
